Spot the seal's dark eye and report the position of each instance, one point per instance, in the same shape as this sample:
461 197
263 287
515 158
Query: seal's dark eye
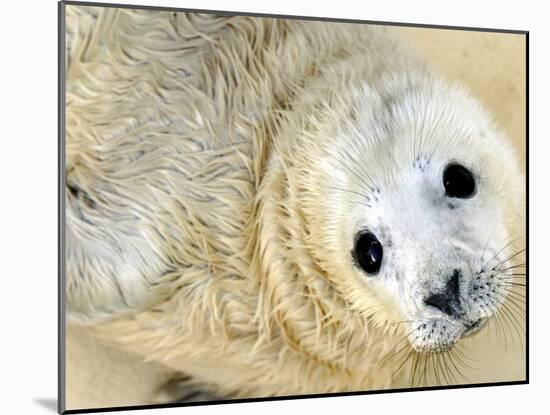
368 252
458 182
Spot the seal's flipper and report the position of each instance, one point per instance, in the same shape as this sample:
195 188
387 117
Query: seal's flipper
184 388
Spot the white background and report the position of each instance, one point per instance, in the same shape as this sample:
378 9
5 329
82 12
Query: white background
28 215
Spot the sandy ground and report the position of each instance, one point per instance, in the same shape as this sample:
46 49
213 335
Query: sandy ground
491 65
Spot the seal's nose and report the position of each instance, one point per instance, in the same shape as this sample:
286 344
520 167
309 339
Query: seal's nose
447 301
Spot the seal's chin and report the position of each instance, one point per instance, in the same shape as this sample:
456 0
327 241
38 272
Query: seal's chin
439 335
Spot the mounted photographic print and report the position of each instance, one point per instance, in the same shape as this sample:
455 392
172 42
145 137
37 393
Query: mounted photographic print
265 207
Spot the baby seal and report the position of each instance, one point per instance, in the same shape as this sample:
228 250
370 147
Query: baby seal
280 207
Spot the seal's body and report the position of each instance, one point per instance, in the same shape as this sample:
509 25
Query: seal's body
280 207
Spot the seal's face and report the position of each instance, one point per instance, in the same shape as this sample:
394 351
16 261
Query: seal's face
429 189
436 257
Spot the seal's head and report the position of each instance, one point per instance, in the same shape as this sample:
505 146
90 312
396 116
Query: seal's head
417 226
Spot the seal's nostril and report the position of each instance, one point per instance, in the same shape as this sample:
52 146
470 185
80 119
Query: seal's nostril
441 302
451 290
447 301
